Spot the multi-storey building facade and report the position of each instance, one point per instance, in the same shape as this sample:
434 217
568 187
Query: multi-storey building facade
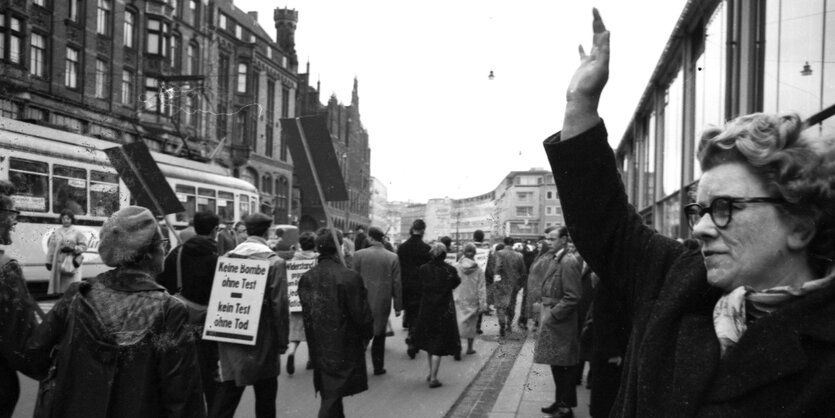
724 58
192 78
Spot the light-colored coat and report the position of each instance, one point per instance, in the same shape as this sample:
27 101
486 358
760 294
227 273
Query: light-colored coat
558 343
470 296
380 271
61 238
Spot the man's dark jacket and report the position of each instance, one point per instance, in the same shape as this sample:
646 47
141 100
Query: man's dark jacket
784 365
199 261
412 254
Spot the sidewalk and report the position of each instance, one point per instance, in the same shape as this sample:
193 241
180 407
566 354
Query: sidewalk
530 387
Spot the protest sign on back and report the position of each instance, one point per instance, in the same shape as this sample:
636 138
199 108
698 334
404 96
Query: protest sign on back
235 304
295 270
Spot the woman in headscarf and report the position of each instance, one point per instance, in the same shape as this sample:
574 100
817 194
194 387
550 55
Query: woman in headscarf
64 255
436 329
121 345
470 297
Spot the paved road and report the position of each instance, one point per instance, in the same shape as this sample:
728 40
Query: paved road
402 392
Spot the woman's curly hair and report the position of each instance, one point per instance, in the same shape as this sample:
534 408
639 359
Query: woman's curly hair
797 168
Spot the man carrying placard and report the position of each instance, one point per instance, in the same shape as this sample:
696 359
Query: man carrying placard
257 365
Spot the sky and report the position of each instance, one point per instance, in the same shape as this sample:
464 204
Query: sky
438 127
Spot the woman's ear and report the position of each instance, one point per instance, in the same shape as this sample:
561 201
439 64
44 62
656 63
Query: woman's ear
801 234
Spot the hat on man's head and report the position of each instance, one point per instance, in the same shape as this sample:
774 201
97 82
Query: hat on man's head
126 235
376 233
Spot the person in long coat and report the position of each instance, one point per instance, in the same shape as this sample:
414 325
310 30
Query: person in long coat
338 325
542 268
307 245
259 365
380 271
123 347
558 342
412 254
66 241
436 329
470 296
508 271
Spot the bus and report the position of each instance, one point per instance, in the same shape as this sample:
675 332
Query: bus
54 170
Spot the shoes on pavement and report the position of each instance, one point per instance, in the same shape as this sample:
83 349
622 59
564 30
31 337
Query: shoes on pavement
552 409
564 413
457 356
309 365
412 352
378 372
470 351
435 384
291 364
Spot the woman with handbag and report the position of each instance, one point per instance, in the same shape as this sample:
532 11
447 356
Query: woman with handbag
117 345
65 253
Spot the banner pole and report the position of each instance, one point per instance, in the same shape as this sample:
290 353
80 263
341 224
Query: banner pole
303 138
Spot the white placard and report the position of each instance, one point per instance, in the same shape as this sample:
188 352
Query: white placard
451 258
481 255
295 270
33 203
235 305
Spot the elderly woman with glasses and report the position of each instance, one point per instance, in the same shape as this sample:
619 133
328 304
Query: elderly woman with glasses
117 345
743 325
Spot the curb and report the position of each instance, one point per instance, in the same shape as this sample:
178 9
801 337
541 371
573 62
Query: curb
509 399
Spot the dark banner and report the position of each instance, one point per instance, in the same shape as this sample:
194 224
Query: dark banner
144 179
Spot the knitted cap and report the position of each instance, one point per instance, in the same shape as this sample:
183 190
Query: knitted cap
126 235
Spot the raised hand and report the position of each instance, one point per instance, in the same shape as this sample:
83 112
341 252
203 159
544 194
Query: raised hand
587 83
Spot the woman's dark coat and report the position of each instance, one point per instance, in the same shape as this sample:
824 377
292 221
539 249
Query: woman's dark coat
784 365
436 330
338 325
96 377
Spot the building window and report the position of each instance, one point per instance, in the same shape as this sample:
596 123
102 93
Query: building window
241 130
175 5
269 132
193 59
14 33
222 21
156 98
238 31
103 17
101 79
194 9
549 195
157 40
37 56
285 113
127 87
193 106
549 210
71 66
524 210
130 25
242 69
173 51
524 196
74 10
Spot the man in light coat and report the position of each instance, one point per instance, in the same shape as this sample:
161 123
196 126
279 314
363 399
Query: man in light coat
258 365
380 271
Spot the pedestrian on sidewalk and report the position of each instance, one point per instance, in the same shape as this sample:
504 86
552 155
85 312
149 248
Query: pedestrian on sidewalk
380 271
481 246
307 245
542 268
436 329
64 255
122 348
338 325
259 365
558 342
189 273
470 296
508 273
20 317
412 254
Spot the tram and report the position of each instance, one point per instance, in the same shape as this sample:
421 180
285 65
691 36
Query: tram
54 170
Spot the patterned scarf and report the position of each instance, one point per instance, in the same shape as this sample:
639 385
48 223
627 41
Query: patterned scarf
731 313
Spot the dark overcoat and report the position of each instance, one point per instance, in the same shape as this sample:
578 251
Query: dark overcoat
412 254
338 325
558 342
784 365
436 330
380 271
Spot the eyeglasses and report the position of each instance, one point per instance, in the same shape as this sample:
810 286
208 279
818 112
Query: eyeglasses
163 242
12 211
721 209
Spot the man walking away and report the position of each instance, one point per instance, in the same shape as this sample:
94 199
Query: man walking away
380 271
259 365
188 274
338 325
509 271
412 254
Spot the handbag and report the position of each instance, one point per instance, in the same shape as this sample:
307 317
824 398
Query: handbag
196 311
48 385
67 265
